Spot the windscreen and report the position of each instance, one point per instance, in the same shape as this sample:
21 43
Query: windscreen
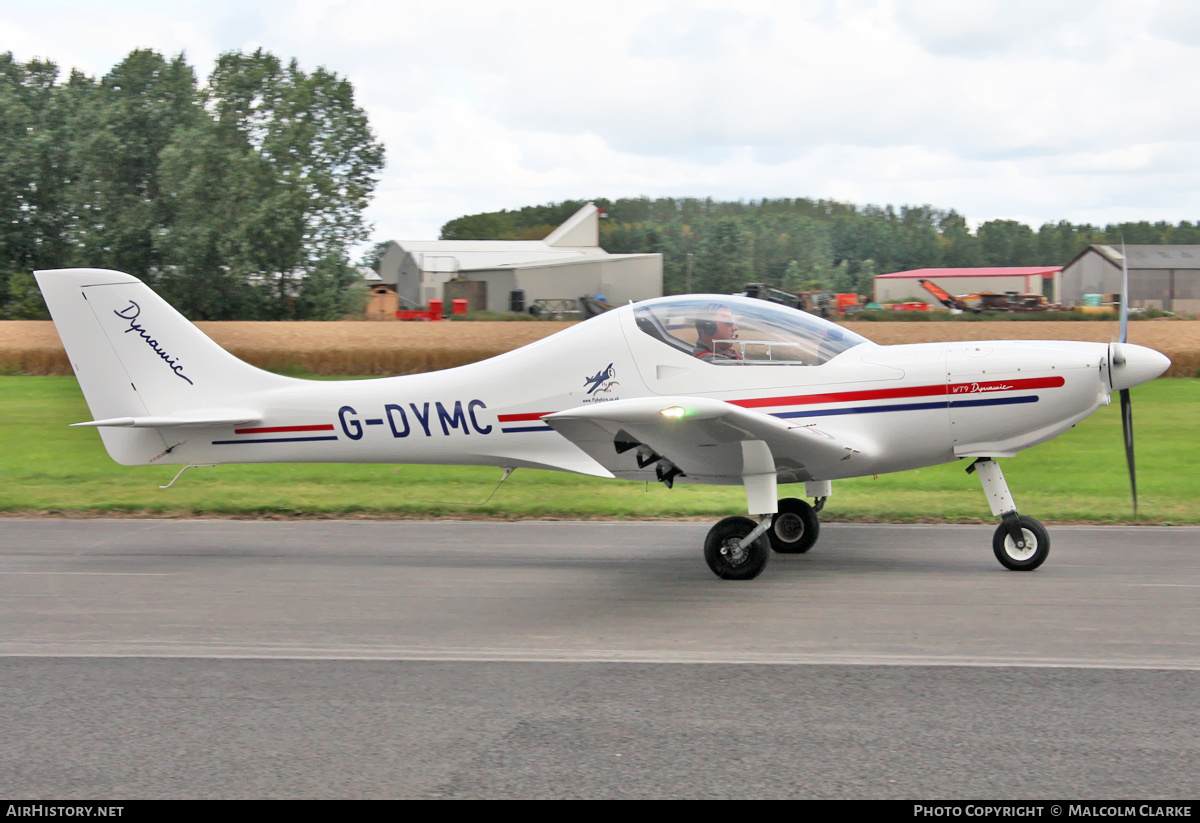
737 331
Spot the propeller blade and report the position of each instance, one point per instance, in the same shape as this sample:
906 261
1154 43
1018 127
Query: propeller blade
1118 359
1127 427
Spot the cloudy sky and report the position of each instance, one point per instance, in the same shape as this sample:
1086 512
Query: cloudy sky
1032 110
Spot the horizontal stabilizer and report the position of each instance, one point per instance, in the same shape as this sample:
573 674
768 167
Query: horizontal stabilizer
197 419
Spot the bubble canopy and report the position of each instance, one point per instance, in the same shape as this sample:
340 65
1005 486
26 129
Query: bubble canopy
741 331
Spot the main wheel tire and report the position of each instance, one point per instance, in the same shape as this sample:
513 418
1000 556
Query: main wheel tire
1037 546
796 527
726 560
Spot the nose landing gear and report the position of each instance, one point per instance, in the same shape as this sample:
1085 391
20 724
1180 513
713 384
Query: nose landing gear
1020 543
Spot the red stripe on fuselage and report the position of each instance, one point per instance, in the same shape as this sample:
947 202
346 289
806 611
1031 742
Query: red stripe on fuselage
956 389
908 391
325 427
512 418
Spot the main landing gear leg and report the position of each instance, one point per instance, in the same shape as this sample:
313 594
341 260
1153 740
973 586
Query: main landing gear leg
737 548
1020 542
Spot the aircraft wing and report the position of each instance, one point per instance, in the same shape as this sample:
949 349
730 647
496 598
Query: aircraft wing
703 438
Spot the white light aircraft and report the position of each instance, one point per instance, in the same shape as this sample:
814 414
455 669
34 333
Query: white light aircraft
693 389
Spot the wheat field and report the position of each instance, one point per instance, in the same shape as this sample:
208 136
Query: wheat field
385 348
354 348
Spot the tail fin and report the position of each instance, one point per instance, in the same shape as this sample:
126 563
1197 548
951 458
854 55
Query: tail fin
136 357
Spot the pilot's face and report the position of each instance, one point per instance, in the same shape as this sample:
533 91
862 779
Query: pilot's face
726 330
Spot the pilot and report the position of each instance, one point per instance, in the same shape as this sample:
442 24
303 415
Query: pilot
715 335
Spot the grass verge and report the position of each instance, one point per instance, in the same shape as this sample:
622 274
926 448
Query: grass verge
1079 477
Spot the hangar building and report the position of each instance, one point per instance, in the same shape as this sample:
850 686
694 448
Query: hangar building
1161 277
902 285
512 274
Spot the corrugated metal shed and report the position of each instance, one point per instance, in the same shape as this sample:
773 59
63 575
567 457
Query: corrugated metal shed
1162 277
1151 257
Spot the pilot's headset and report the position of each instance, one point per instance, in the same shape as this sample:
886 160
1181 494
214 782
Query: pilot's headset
706 326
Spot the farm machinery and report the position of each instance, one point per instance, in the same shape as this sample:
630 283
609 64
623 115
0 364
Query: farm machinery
989 301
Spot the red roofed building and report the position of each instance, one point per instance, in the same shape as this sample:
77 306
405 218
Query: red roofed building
902 285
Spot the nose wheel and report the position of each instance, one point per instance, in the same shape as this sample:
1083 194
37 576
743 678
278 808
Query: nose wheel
1026 554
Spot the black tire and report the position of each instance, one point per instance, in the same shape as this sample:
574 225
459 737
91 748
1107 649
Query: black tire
1037 541
796 527
721 554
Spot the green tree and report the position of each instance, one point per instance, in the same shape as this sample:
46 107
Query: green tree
213 264
1058 243
24 299
326 292
793 276
842 280
678 240
865 281
528 223
812 248
1007 243
871 235
269 190
725 262
373 255
480 227
960 248
37 170
920 243
124 123
1185 233
1140 233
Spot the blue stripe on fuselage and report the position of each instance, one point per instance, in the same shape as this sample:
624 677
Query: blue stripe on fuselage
896 407
272 440
941 404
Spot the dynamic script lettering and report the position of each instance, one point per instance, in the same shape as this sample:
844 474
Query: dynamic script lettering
973 388
131 313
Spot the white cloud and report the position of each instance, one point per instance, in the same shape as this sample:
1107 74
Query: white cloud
1033 109
983 28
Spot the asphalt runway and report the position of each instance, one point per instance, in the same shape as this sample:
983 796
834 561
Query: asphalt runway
225 659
